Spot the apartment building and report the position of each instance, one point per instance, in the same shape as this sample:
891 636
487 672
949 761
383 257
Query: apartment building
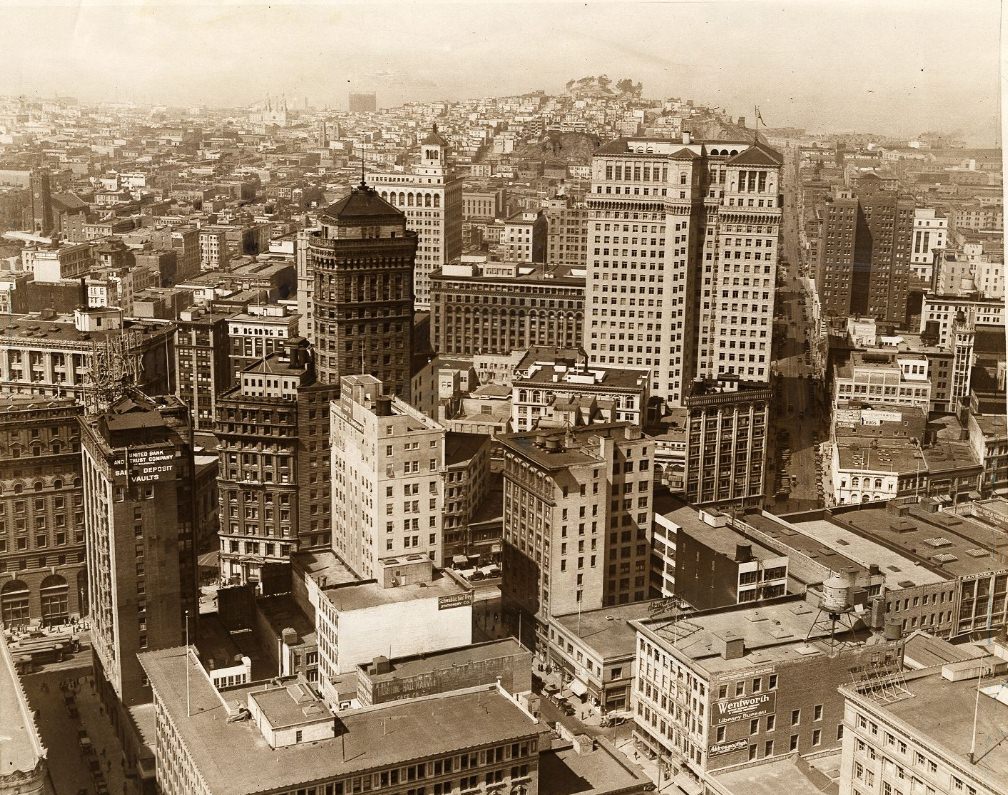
213 247
430 196
479 306
523 238
255 334
883 378
723 688
683 241
566 231
930 235
388 469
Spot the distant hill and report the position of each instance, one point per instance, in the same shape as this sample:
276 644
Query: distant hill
570 147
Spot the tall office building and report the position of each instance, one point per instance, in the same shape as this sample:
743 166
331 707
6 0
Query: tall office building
682 259
726 441
138 524
865 253
431 197
202 363
273 473
388 469
577 519
362 265
359 102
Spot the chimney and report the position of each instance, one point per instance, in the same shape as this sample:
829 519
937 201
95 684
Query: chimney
83 292
685 136
729 645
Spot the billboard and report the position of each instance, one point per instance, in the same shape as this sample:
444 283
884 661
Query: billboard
455 600
146 465
744 708
727 748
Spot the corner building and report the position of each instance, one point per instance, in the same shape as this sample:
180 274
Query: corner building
682 257
362 265
138 518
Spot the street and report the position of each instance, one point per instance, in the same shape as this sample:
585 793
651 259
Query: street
798 417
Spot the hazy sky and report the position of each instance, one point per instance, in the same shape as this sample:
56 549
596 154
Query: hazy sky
899 66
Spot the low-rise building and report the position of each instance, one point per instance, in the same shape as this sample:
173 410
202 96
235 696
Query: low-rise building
556 388
228 741
411 608
938 730
723 688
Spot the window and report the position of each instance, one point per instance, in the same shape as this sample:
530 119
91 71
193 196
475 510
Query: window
817 712
773 682
793 745
795 717
816 737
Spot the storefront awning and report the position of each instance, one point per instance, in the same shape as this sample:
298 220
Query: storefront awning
459 560
577 687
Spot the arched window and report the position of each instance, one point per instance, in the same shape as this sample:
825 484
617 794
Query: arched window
437 200
402 199
409 199
384 195
18 487
57 484
878 483
38 485
53 596
56 447
855 482
427 200
14 603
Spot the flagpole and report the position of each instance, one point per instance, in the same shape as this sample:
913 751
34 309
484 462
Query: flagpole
188 702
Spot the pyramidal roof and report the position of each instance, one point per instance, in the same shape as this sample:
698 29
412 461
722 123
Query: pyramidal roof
759 154
363 201
434 138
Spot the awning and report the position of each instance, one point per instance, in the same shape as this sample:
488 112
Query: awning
459 560
578 688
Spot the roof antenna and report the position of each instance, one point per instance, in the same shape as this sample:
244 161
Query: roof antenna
363 184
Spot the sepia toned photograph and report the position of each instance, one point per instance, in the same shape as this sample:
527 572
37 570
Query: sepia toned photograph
503 398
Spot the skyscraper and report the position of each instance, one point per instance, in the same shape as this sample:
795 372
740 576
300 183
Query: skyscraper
138 523
865 255
431 197
388 467
362 268
273 474
683 247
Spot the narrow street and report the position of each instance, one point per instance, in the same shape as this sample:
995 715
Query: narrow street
799 417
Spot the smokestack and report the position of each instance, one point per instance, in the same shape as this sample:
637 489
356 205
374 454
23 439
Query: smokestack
83 292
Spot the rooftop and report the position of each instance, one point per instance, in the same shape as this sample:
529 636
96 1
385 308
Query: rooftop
543 365
407 667
558 450
881 455
363 202
324 567
22 747
602 770
235 759
943 543
940 714
607 631
368 594
461 447
790 774
808 545
777 632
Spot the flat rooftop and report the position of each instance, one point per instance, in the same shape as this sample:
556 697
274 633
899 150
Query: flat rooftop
783 774
602 770
900 570
234 759
779 632
64 330
367 594
807 545
608 630
22 747
282 612
324 567
945 543
567 368
941 712
407 667
884 455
